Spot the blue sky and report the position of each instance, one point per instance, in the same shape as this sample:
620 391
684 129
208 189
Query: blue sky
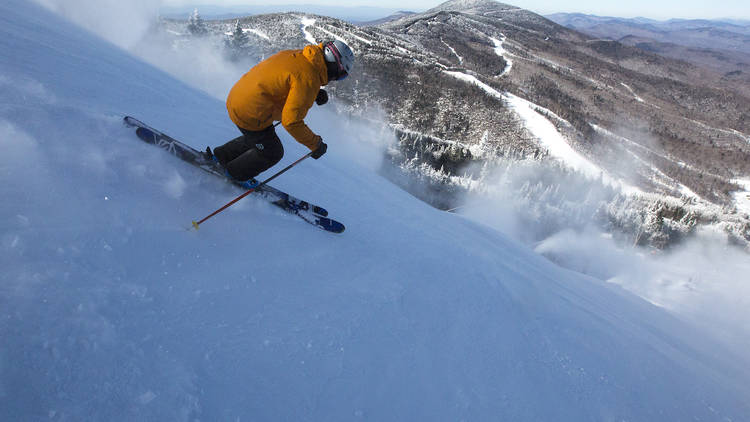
647 8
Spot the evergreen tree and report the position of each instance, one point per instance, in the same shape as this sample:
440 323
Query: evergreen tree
196 25
239 38
237 44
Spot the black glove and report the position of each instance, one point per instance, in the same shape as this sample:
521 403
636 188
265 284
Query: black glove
322 148
322 97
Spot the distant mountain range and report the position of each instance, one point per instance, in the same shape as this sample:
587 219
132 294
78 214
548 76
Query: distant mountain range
712 34
398 15
350 14
721 45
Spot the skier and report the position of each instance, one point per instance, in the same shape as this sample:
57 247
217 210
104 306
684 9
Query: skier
280 88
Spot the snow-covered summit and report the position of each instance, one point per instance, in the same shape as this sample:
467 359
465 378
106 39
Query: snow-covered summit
110 310
467 5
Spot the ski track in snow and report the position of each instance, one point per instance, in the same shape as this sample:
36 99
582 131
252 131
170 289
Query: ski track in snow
460 59
558 146
257 32
337 37
305 23
111 310
500 51
558 67
355 36
742 198
682 188
547 134
741 135
732 132
639 99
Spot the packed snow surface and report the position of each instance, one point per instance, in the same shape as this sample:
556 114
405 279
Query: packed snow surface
742 198
257 32
252 31
547 133
460 59
684 190
639 99
111 310
307 22
500 51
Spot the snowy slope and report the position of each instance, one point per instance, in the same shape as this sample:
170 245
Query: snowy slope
541 128
110 310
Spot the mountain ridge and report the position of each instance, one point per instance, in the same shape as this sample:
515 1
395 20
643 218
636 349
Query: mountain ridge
700 33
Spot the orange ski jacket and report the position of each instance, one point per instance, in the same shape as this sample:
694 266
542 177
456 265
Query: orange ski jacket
282 87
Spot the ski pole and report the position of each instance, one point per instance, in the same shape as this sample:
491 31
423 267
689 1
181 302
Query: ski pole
230 203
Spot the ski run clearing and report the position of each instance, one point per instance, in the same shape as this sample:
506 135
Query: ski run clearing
257 32
307 22
639 99
742 198
547 134
460 59
500 51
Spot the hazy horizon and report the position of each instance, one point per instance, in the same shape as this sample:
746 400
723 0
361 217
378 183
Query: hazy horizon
669 9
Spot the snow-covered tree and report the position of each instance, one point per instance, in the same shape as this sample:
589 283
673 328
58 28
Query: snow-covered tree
239 38
196 25
237 43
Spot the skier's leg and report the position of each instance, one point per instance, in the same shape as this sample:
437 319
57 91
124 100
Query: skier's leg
266 152
232 150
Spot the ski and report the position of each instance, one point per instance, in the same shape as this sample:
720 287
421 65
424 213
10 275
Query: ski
313 214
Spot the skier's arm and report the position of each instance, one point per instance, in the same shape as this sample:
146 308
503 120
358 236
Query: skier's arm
300 99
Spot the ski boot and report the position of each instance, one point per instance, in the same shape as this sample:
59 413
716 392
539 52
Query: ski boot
247 184
211 158
250 184
209 155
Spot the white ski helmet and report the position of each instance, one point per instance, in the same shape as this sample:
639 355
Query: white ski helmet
339 53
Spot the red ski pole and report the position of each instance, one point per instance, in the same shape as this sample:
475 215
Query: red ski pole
196 224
